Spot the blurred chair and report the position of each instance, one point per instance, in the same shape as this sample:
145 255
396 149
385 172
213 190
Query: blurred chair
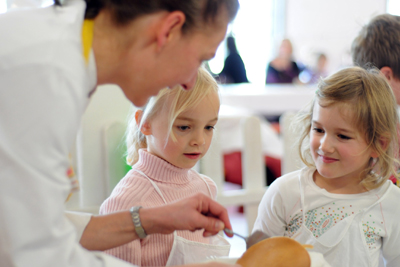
290 160
253 169
100 160
100 148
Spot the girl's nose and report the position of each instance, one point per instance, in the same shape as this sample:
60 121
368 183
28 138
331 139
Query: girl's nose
326 144
198 139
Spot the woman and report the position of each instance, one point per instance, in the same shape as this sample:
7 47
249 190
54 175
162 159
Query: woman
283 69
51 63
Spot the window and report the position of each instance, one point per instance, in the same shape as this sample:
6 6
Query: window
3 6
393 7
258 26
6 5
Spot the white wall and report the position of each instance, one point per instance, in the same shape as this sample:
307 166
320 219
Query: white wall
328 26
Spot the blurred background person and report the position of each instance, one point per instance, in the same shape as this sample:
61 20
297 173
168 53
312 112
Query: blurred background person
378 43
234 70
312 74
283 69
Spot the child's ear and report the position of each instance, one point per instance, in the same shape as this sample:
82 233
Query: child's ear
374 154
145 129
384 142
171 26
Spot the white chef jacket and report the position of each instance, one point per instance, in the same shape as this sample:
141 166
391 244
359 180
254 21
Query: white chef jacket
45 85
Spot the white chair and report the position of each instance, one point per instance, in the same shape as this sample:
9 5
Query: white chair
100 148
253 169
291 160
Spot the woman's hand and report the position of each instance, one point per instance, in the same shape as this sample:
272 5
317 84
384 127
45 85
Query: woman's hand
192 213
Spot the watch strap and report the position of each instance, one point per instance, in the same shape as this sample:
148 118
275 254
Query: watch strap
136 221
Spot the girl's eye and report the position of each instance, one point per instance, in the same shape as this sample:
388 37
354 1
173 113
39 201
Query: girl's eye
341 136
317 130
210 128
183 128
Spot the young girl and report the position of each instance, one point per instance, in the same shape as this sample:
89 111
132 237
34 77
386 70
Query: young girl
342 203
165 140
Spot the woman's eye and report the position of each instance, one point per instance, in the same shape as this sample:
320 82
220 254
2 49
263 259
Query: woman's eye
183 128
341 136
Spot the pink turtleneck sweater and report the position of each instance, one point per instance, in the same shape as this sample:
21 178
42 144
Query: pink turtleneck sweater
136 190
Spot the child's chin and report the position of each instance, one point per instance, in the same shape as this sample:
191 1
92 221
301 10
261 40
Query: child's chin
191 166
327 175
185 166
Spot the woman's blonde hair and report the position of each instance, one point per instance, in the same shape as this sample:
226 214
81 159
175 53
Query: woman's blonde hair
371 99
177 100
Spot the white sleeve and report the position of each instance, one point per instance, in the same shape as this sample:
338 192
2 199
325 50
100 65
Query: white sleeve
271 211
38 120
80 220
110 261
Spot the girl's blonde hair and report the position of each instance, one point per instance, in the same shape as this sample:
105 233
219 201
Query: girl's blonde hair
371 99
177 100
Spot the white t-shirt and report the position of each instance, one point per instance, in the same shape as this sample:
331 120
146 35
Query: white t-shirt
281 213
45 85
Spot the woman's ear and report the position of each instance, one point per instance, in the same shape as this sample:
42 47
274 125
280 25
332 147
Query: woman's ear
171 26
146 127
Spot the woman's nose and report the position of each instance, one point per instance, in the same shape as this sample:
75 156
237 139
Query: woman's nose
190 83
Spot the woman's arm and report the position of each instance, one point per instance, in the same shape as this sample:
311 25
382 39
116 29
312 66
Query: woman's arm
193 213
108 231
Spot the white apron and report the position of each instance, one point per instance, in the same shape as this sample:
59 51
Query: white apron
185 251
344 244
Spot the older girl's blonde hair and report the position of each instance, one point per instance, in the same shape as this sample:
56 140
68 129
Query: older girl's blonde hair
178 100
371 99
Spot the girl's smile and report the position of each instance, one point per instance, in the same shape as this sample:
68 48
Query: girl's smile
326 159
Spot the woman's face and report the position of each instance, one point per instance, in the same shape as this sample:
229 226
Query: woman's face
176 63
285 50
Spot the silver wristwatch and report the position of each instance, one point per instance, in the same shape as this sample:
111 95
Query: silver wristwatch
136 221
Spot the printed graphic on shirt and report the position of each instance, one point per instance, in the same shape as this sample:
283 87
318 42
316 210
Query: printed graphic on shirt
374 231
320 220
294 224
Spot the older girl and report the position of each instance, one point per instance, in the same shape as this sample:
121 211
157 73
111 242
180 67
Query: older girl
342 203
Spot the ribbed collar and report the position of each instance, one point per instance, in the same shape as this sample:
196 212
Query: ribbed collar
160 170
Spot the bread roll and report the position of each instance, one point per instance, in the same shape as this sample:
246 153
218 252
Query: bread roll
276 252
